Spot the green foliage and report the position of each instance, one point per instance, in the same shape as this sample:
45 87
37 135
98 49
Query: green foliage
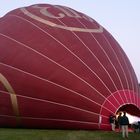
43 134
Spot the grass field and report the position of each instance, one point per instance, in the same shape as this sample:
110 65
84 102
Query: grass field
43 134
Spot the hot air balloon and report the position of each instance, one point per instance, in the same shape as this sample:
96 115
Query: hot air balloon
59 68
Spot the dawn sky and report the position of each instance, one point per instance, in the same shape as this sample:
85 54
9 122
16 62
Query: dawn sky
121 18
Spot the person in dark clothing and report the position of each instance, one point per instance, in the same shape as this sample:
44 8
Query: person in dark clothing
124 122
112 122
118 121
138 126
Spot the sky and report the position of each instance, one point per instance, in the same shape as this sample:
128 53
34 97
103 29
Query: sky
120 17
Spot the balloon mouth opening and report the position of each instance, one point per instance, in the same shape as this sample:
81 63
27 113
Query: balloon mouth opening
132 111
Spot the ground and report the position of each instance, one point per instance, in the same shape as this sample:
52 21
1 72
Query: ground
43 134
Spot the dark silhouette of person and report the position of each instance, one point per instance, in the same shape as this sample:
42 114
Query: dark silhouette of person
118 121
124 122
112 122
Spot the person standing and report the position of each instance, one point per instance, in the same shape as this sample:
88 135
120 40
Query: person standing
124 122
112 122
118 121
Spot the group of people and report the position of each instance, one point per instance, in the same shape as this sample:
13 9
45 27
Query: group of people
136 127
122 122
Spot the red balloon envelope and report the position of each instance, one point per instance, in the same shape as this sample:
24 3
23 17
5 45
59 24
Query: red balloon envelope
59 68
